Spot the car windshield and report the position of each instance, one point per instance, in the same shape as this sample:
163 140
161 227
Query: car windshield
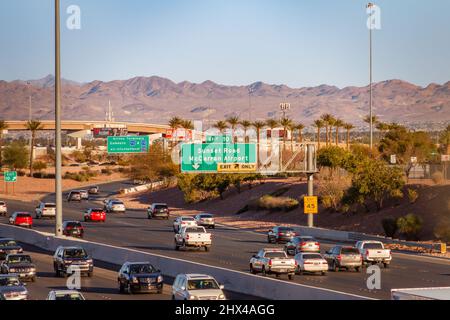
9 282
117 202
160 206
195 230
50 205
311 256
23 215
373 246
142 268
75 193
203 284
8 243
97 210
205 216
19 259
349 251
275 254
73 225
68 296
2 203
306 239
285 229
75 253
187 219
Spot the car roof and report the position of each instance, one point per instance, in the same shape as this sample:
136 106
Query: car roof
7 239
186 217
65 292
274 249
195 276
159 204
19 255
137 263
72 247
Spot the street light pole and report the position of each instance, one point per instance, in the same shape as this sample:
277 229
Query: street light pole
370 5
58 181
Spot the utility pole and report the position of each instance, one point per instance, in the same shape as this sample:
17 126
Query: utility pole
58 144
311 169
370 6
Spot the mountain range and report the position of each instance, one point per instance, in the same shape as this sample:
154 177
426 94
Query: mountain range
156 100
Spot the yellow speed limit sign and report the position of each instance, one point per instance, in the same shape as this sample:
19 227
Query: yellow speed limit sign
311 205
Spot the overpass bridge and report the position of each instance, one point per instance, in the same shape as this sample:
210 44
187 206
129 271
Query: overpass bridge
73 125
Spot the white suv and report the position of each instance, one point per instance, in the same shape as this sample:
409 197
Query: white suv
45 210
196 287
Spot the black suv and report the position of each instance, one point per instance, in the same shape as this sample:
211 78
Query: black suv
73 229
140 277
280 235
21 265
67 260
8 246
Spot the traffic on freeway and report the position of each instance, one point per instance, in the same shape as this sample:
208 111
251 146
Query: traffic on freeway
273 254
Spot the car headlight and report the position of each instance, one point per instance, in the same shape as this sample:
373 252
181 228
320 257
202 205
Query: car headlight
160 278
221 297
12 270
193 298
33 269
89 261
134 280
24 293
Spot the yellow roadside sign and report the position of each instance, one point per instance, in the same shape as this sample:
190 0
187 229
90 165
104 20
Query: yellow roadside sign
236 167
311 205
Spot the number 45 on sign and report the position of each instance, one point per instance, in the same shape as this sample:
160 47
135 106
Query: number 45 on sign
311 205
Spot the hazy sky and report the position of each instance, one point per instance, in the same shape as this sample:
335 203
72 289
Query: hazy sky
293 42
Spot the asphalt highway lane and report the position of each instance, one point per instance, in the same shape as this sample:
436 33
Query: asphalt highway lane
233 248
102 286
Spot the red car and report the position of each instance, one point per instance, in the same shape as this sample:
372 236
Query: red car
22 219
97 215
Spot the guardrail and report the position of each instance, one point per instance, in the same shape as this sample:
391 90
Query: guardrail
141 188
235 281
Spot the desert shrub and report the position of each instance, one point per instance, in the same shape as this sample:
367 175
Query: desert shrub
410 226
39 166
332 191
277 203
413 195
21 173
106 171
390 226
78 156
437 177
442 230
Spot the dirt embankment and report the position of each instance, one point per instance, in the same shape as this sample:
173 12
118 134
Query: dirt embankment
432 205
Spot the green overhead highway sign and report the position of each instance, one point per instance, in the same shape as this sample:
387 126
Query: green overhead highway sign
128 144
10 176
209 157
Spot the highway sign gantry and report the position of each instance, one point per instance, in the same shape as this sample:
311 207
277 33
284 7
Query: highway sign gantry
10 176
218 157
128 144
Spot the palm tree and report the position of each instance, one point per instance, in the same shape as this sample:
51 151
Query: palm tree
319 124
285 123
245 124
374 119
221 126
33 126
328 120
338 124
233 122
300 127
382 127
272 124
348 127
187 125
3 126
175 123
258 125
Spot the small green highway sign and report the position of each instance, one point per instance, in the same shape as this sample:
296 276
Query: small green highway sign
209 158
128 144
10 176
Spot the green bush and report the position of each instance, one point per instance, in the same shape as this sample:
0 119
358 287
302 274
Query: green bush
276 203
410 226
39 166
413 195
390 226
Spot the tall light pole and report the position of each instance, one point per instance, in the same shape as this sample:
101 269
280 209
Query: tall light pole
370 6
58 180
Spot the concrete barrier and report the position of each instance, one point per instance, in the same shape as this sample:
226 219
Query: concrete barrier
345 236
141 188
236 281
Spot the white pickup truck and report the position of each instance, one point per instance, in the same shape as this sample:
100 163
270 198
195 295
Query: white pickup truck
373 252
194 236
273 261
